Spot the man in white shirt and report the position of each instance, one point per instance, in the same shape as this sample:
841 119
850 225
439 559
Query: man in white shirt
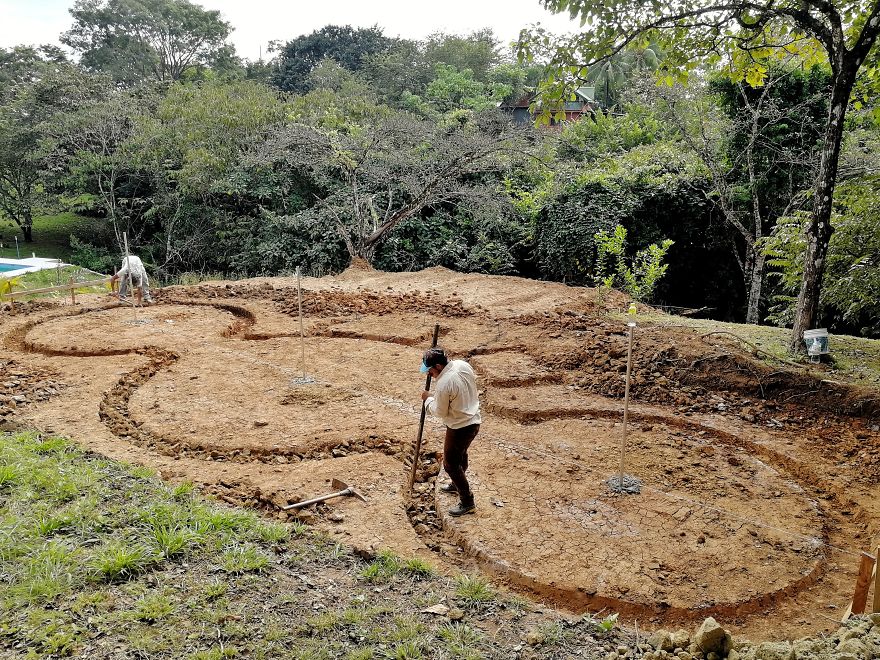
456 402
139 281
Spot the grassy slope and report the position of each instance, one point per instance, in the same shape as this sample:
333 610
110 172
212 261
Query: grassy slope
103 560
853 359
51 235
49 278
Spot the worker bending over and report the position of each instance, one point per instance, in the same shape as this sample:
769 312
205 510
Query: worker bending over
132 266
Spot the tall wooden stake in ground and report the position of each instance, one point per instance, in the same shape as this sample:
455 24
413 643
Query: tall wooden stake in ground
418 445
629 360
302 334
130 280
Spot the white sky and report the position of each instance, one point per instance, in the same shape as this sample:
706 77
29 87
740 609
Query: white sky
257 22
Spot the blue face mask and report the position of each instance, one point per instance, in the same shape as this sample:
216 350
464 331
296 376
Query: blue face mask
423 368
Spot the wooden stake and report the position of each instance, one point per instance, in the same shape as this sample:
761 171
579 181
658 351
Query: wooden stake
130 279
302 334
863 581
418 445
629 360
72 292
876 603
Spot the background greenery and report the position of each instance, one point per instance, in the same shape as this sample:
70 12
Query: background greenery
349 143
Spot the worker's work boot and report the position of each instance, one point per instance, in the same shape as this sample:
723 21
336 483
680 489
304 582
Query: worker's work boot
463 508
448 488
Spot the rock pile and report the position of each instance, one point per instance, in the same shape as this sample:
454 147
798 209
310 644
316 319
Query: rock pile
20 387
859 639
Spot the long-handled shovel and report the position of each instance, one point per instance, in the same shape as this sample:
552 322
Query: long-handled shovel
418 445
342 490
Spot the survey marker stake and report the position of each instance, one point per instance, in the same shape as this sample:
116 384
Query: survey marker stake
418 445
342 490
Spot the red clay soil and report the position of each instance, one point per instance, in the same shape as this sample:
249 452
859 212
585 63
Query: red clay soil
753 507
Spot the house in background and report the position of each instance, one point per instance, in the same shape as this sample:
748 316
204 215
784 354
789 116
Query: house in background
584 103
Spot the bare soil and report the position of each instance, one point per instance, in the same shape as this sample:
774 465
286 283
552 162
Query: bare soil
759 484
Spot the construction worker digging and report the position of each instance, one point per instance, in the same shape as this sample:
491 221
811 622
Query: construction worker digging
456 403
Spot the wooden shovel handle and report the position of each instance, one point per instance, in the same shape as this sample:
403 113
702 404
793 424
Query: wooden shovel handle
418 445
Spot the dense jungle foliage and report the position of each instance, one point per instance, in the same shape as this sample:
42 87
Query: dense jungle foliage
351 144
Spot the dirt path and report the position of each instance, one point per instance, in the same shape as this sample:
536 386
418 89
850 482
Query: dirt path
744 513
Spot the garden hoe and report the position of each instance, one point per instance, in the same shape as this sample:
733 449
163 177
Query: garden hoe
342 490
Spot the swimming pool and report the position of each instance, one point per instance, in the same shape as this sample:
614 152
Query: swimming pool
14 267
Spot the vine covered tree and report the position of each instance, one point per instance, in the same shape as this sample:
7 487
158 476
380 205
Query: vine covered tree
693 32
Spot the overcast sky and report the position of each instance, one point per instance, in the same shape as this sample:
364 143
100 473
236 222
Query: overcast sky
257 22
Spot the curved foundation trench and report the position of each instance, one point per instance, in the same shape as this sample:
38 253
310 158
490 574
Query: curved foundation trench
692 543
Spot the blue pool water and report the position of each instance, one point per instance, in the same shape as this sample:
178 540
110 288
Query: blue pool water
4 268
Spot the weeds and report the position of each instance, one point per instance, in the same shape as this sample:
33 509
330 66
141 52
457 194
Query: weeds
473 592
48 525
8 477
407 651
172 541
273 532
216 589
382 569
119 561
152 608
418 568
460 640
244 559
215 653
183 491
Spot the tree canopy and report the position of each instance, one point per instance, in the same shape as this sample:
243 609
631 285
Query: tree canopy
348 46
747 35
134 40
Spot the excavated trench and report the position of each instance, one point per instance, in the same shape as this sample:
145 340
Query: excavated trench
438 530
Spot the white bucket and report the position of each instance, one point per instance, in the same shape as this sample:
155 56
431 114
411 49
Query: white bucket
816 341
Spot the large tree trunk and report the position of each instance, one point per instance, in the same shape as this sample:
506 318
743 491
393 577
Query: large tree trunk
28 232
755 287
819 229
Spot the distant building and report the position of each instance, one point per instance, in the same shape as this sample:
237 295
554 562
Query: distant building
584 104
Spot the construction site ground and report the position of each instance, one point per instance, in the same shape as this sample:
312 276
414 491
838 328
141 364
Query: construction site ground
760 482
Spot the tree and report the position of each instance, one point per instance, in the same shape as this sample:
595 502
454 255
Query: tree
87 150
695 31
370 179
134 40
400 70
39 84
611 75
849 298
350 47
758 145
477 51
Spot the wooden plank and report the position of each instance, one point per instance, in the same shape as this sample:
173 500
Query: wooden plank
876 603
867 566
50 289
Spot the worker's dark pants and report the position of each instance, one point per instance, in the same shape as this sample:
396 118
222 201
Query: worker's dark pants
455 458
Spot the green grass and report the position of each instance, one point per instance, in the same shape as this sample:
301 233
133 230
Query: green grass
382 569
103 559
473 592
853 359
50 277
51 235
